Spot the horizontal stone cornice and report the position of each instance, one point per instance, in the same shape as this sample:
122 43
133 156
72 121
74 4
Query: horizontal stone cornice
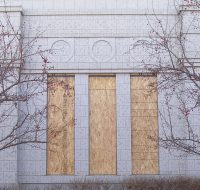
98 12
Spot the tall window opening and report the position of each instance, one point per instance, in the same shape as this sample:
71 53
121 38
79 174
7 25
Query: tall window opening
102 98
60 147
144 125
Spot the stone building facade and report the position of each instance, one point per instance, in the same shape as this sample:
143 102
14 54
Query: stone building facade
95 37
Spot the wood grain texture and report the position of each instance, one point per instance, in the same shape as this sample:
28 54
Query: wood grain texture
144 125
60 148
102 92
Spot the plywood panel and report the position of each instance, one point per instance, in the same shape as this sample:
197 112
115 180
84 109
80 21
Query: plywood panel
146 166
102 125
144 137
144 125
60 151
144 112
143 96
144 83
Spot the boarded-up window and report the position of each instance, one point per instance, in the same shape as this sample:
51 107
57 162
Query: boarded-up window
102 95
60 150
144 125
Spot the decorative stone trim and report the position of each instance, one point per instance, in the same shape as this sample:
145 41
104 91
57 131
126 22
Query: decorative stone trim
11 9
99 12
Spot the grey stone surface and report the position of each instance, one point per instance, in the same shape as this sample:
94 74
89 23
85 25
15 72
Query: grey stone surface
81 125
123 131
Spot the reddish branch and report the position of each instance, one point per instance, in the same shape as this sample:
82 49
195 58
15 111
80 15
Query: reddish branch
26 124
179 77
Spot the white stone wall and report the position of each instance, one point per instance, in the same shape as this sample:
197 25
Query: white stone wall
96 37
47 5
191 29
8 157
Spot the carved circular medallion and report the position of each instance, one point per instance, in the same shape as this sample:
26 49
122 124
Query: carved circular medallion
61 51
139 53
101 51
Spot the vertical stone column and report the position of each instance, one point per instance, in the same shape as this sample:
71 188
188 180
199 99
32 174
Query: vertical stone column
32 160
8 157
81 125
123 124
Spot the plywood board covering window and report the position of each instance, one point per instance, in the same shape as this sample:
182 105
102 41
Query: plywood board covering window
102 96
60 148
144 125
